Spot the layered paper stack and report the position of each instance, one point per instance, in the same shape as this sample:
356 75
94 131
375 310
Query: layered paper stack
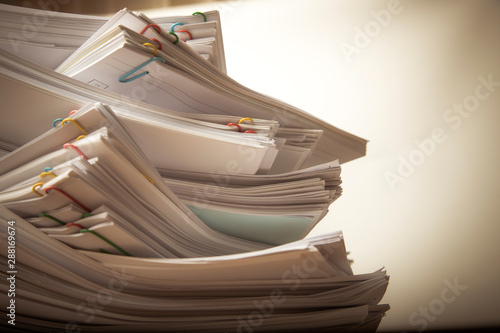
145 190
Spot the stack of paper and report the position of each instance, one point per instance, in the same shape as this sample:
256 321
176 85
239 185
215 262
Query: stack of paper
97 193
142 189
273 209
297 287
202 87
49 37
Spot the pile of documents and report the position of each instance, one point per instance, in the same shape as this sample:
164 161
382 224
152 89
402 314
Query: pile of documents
144 190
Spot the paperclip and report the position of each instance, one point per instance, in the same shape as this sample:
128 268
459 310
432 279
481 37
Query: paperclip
50 188
244 119
66 145
174 25
187 32
107 241
234 124
52 218
77 124
201 14
155 50
124 78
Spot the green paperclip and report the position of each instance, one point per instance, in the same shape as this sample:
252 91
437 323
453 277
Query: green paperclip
107 241
52 218
200 13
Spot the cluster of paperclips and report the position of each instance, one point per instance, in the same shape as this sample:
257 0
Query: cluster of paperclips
48 172
125 78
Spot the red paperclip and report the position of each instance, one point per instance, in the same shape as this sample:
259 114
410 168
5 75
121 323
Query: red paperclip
66 145
72 224
67 195
157 42
234 124
151 26
189 34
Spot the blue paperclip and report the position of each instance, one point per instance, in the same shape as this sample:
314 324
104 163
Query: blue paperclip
124 79
56 121
174 25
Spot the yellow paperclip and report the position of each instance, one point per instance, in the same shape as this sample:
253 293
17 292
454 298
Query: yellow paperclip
34 189
149 179
74 122
43 174
80 137
155 50
243 119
